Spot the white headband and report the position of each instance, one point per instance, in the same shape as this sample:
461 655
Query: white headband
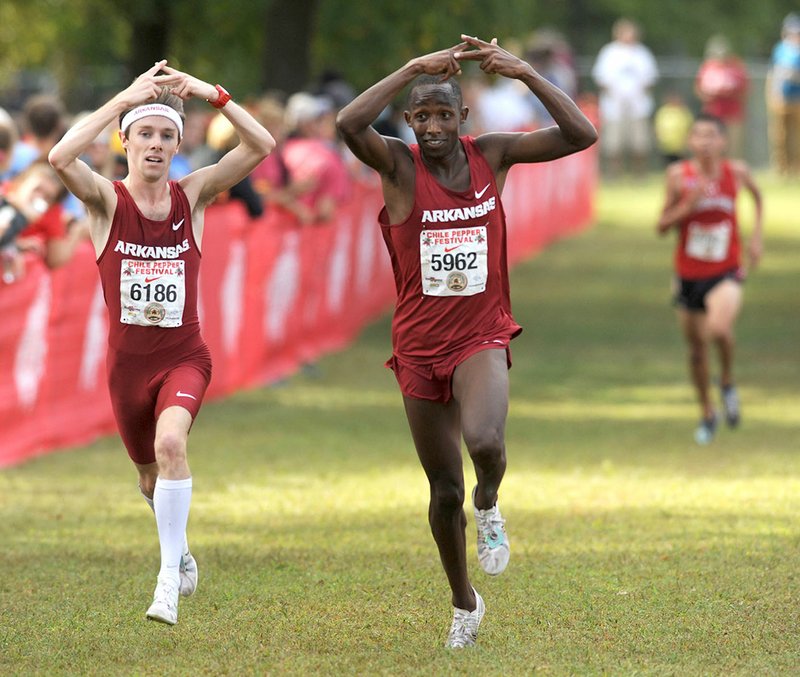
152 109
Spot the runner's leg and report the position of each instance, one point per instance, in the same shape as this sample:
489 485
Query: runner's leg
435 429
480 385
692 324
723 304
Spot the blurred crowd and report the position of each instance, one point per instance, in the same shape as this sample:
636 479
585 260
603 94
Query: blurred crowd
631 118
310 172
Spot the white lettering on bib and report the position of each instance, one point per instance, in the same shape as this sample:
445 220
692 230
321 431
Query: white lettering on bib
152 293
454 261
708 242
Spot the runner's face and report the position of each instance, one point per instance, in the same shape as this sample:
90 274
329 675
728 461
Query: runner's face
151 144
706 140
435 118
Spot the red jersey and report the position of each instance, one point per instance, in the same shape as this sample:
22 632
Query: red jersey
708 243
449 262
149 272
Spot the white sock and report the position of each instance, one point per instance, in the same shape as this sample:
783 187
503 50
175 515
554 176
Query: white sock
171 500
153 508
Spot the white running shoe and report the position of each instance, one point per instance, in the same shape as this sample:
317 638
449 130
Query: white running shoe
164 608
493 546
704 433
188 574
464 630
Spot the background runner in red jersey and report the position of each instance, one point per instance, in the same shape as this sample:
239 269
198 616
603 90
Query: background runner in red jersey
701 205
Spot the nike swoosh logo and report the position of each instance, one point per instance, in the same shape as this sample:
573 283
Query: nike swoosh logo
175 226
148 280
447 250
180 394
479 193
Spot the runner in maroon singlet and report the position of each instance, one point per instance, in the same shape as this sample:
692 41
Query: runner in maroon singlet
147 233
444 226
701 204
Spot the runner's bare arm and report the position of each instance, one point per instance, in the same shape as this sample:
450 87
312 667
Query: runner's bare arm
677 206
255 143
354 120
755 245
573 131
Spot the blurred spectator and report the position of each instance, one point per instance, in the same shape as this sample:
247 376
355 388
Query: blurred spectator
721 85
333 85
625 71
672 122
271 178
316 167
8 138
783 98
32 219
44 123
194 146
551 56
501 104
221 137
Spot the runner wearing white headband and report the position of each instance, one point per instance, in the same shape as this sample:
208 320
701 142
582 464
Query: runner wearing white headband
151 109
147 233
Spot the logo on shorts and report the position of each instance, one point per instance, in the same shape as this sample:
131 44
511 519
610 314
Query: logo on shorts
154 313
456 281
180 394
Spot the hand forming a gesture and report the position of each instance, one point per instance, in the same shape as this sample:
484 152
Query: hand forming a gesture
494 59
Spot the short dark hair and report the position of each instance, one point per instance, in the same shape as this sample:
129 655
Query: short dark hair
44 116
168 99
708 117
424 80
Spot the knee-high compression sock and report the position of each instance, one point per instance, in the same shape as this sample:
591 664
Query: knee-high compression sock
153 508
171 500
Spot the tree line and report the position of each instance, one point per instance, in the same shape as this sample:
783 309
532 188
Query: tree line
90 48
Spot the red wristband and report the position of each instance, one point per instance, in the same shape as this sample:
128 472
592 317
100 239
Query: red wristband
224 97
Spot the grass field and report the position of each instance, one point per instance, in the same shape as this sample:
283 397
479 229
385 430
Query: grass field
634 551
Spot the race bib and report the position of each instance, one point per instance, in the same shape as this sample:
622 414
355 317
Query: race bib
708 243
152 293
454 261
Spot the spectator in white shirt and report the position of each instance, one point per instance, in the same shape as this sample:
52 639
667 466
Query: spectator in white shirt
625 71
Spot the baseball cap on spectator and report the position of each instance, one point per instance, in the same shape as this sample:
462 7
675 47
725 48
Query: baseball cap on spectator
303 107
221 134
791 24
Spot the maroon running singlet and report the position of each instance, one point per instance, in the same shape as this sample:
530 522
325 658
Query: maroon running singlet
157 357
451 274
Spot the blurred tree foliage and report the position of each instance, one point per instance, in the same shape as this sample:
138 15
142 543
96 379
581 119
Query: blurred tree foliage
92 47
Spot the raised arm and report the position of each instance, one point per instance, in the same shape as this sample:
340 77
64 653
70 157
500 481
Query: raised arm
354 120
573 131
677 205
255 143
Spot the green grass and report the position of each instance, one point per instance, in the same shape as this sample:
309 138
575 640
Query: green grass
634 551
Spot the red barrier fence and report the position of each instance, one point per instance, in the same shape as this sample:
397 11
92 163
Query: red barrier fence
273 295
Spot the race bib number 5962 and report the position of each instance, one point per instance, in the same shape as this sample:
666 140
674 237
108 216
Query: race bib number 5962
152 293
454 261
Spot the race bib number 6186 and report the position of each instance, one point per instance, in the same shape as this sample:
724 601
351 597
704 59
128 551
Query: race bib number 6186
152 293
454 261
